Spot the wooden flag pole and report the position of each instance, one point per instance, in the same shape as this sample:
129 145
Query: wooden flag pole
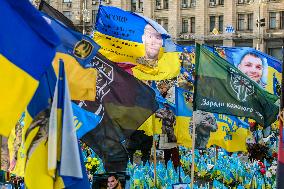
216 154
155 153
192 150
155 163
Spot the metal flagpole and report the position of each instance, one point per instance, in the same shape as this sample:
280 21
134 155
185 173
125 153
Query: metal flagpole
192 149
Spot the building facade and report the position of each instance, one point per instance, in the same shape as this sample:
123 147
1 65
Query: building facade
250 23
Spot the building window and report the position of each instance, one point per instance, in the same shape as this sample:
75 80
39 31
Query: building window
184 3
221 23
158 4
212 3
68 14
192 24
159 21
212 23
193 3
140 5
221 2
276 52
184 27
133 5
67 1
241 22
282 20
250 21
166 4
272 20
94 14
166 24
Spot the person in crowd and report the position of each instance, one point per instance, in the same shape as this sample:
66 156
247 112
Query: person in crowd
113 182
168 141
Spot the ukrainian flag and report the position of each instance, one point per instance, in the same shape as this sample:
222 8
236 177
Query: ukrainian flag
126 37
40 102
77 51
231 134
183 112
26 51
64 158
56 161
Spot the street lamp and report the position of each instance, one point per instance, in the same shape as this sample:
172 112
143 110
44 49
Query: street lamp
85 13
260 22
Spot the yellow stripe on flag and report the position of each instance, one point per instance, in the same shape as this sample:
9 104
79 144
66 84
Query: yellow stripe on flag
17 89
147 126
25 145
36 174
124 51
237 141
81 82
168 67
182 131
128 51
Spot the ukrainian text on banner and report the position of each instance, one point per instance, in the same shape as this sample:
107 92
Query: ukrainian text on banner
24 58
231 92
228 130
260 67
127 37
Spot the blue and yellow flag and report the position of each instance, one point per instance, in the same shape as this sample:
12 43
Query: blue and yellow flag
231 134
34 116
24 58
84 120
56 147
126 37
183 100
63 147
76 50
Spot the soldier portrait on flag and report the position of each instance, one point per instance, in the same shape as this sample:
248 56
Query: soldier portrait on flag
254 67
205 123
153 42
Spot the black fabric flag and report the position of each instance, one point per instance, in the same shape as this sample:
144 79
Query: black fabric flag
49 10
125 103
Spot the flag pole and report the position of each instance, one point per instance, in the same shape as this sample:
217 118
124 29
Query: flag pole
179 165
216 154
192 150
155 153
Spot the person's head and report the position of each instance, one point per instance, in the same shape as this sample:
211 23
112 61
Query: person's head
112 181
252 65
153 41
167 106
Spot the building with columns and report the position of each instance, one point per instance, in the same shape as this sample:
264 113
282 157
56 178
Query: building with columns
250 23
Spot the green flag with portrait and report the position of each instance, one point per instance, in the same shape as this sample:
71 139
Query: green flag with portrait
222 88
